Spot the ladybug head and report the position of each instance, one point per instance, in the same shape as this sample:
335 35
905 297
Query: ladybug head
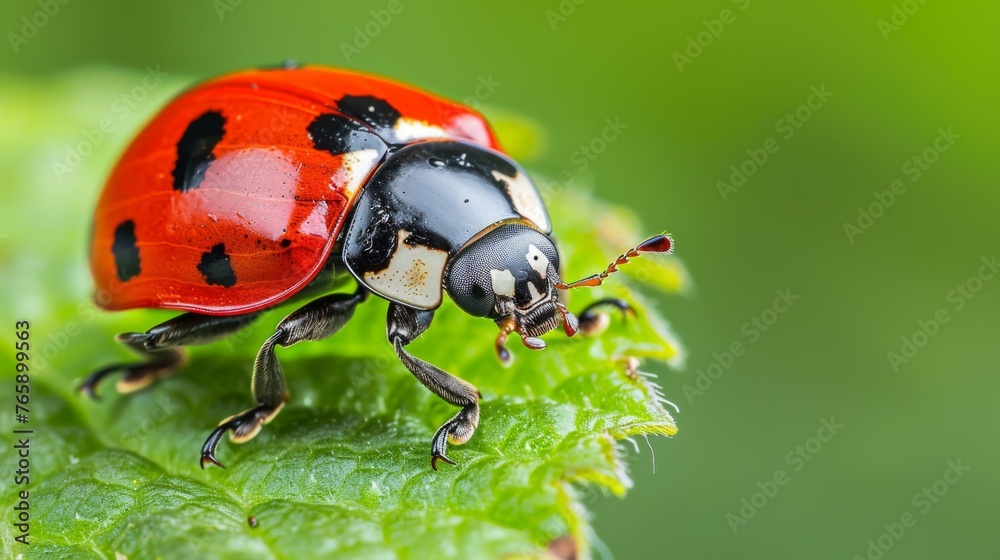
510 275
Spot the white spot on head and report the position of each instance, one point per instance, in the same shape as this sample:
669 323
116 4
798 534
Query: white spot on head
535 294
526 199
503 282
413 276
537 260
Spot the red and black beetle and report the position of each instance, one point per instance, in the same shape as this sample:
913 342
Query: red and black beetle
244 189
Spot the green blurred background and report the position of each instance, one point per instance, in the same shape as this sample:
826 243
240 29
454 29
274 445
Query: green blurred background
698 89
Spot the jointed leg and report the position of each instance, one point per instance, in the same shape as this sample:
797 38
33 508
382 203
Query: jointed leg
161 348
404 326
316 320
594 321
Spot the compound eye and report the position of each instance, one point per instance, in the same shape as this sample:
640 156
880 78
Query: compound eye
478 292
471 290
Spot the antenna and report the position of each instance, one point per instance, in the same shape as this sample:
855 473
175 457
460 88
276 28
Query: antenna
658 244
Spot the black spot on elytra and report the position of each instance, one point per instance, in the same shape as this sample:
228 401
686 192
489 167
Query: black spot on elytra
377 113
216 268
194 149
338 134
286 242
126 251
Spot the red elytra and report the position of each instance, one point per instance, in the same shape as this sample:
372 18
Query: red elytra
225 248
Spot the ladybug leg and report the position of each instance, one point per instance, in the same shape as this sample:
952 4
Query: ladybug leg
404 325
161 349
316 320
593 320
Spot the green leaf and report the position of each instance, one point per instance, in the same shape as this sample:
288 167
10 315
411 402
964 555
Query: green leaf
344 469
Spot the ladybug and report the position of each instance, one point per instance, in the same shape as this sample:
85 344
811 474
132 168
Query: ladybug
255 188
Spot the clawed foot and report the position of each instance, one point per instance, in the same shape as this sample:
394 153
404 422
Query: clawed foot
456 431
242 427
137 375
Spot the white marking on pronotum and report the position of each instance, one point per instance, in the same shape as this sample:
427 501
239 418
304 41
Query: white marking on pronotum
526 199
503 282
413 276
537 260
354 168
412 129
